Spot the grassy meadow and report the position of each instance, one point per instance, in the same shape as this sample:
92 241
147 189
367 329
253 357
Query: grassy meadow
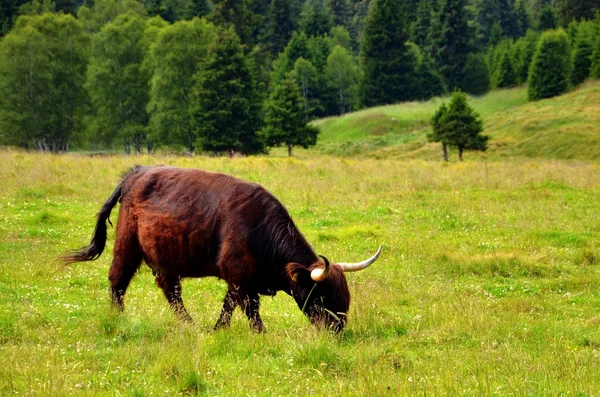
488 284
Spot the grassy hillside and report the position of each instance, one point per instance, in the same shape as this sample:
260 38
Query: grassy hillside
564 127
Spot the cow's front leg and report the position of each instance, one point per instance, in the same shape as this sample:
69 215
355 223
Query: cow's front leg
171 286
251 306
229 304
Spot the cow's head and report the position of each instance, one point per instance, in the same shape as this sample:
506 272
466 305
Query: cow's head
321 290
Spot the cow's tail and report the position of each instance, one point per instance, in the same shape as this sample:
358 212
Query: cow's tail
96 247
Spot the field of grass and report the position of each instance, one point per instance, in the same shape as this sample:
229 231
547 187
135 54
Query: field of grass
488 284
563 127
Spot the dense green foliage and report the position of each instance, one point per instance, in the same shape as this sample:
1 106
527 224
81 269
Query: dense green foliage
550 67
144 62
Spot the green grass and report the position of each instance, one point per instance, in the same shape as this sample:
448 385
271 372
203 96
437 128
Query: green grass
487 285
564 127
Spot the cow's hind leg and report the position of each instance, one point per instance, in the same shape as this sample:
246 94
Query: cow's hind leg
251 304
122 270
171 286
127 258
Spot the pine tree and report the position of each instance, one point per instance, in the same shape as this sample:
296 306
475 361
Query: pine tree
523 17
550 67
582 55
453 43
578 10
286 119
477 75
388 70
226 114
522 54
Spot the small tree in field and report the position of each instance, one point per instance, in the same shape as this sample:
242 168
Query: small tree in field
286 118
458 125
550 67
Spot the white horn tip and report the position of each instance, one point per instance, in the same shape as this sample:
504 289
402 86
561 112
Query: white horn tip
318 274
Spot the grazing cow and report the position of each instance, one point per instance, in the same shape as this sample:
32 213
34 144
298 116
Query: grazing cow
193 223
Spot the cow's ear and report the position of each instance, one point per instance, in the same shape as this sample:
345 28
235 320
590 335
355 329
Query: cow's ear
296 271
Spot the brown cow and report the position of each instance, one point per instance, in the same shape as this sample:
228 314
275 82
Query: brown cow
193 223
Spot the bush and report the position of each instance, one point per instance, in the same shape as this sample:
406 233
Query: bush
549 72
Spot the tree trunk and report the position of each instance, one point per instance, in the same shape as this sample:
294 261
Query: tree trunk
460 152
289 150
445 149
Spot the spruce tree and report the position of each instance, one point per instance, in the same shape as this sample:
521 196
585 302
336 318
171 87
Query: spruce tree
420 28
315 19
387 67
438 133
523 18
236 13
522 54
226 111
286 120
454 42
550 67
477 75
279 25
505 75
582 55
429 82
460 126
547 19
339 10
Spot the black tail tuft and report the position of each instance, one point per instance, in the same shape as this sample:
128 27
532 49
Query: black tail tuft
96 247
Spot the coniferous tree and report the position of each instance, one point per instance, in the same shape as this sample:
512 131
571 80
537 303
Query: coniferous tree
279 25
460 126
438 133
341 36
477 75
505 75
387 67
117 84
296 48
522 54
226 112
550 67
454 42
547 19
315 19
236 13
339 11
429 82
286 120
582 54
523 17
569 10
420 28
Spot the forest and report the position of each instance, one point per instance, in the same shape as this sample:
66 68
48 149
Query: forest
242 76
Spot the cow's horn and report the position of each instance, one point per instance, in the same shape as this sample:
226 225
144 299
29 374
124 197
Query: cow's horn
353 267
320 274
